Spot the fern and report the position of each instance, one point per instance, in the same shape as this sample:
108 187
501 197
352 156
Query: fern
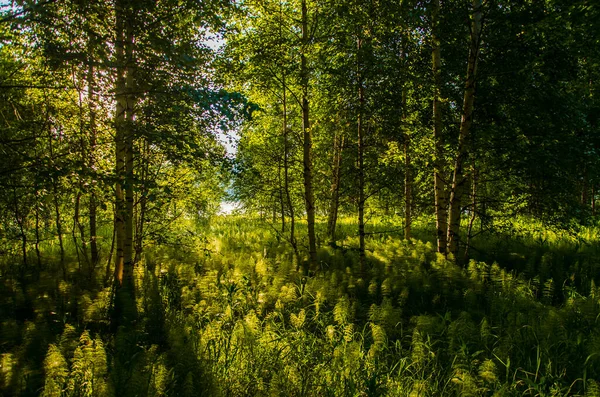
252 323
548 290
348 332
89 369
161 377
485 331
68 342
592 388
419 389
7 369
379 336
57 372
466 383
373 287
297 320
420 351
488 371
341 311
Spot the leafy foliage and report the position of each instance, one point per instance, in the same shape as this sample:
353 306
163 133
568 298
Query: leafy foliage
217 305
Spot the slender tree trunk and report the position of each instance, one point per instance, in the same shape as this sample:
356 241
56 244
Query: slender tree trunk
124 136
20 222
286 175
407 189
23 247
129 160
38 254
125 309
440 195
458 180
361 171
91 98
338 145
584 188
309 197
59 230
93 234
57 216
121 106
58 221
593 199
475 177
77 225
281 201
286 155
407 173
482 193
111 251
142 202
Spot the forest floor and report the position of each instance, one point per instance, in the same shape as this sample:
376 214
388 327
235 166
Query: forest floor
223 311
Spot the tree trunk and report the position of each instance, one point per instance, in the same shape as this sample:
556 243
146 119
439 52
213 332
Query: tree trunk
281 201
440 194
120 126
407 189
38 254
124 309
57 216
20 222
361 171
77 225
338 145
458 180
111 251
129 161
309 198
286 155
23 247
124 144
407 173
91 98
473 212
593 199
584 188
142 202
59 231
286 175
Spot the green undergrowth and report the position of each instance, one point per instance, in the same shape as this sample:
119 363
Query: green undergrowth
224 312
415 324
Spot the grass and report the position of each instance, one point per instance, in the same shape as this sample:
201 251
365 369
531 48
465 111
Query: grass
223 312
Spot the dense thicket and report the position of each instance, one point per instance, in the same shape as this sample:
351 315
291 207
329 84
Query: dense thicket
496 99
356 126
